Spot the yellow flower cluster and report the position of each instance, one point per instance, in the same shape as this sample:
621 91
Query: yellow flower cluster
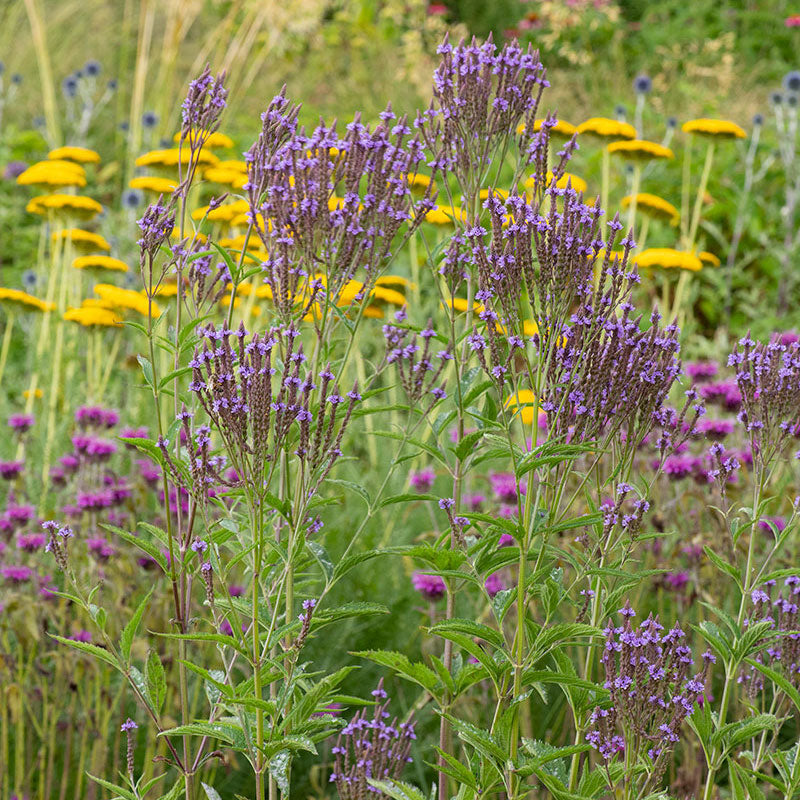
21 298
93 316
562 128
524 399
80 155
213 140
75 204
639 149
150 183
82 238
605 128
576 182
445 215
171 157
100 262
126 299
53 173
714 127
654 206
668 258
223 213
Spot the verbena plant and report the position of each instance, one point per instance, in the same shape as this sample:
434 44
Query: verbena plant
520 356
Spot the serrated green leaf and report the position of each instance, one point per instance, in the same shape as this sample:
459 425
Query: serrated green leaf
129 632
120 791
155 680
211 792
91 649
417 673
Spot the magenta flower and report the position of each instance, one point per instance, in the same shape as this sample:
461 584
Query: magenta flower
432 587
21 422
423 480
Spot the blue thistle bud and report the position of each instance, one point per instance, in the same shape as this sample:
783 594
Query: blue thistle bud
642 84
70 86
791 81
92 68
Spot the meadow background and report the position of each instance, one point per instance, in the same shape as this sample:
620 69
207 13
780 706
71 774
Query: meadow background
111 76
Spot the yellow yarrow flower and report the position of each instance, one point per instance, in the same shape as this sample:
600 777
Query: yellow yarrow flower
100 262
243 221
188 234
225 177
127 299
53 173
606 128
578 184
721 128
484 193
525 400
82 238
224 213
669 258
167 290
96 302
215 139
654 206
419 182
150 183
562 128
93 317
75 204
639 149
234 165
238 242
171 157
445 215
709 258
19 298
80 155
395 281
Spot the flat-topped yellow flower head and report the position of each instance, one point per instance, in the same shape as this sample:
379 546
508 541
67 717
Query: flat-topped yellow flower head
150 183
640 150
445 215
23 300
82 238
212 140
223 213
525 401
171 157
80 155
561 128
654 206
100 262
577 183
93 317
715 128
74 205
225 176
127 299
669 258
605 128
53 173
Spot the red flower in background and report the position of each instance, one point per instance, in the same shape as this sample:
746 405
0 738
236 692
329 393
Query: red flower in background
792 21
